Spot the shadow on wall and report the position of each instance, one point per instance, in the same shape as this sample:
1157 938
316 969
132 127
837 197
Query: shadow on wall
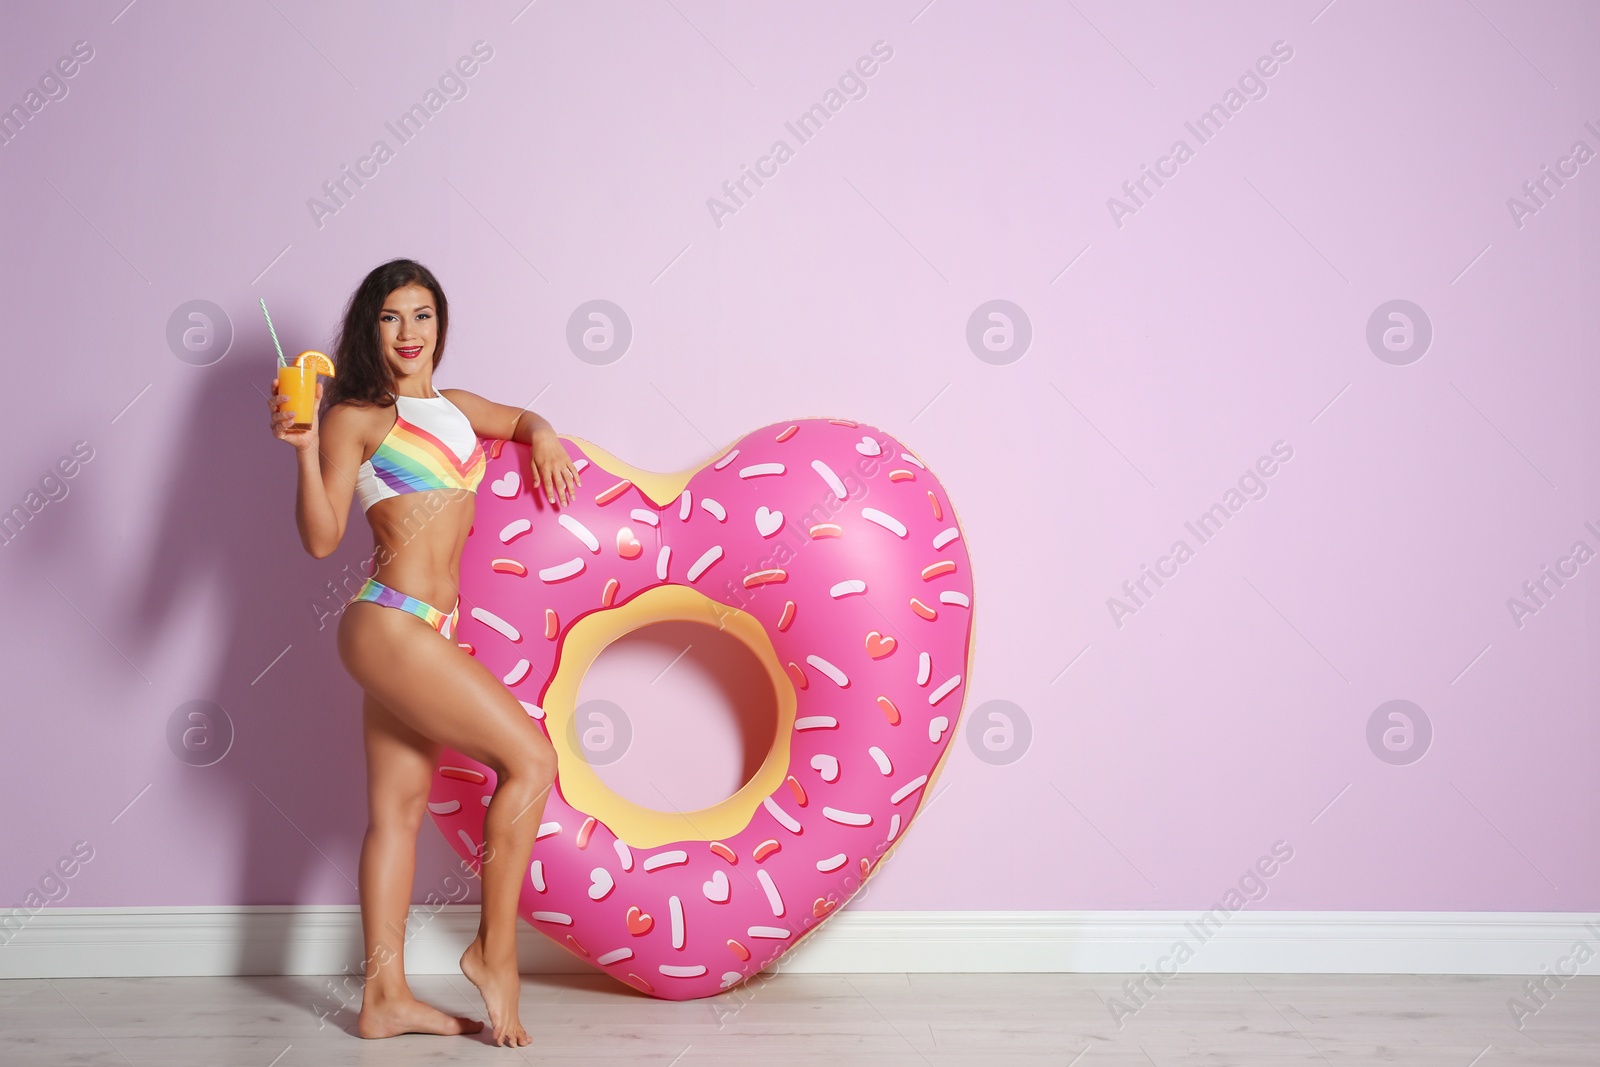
285 756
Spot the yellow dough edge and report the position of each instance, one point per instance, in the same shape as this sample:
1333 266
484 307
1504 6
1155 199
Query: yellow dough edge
638 826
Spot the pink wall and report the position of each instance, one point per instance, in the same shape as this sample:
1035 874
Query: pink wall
1223 319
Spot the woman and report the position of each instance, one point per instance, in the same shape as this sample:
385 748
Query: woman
412 456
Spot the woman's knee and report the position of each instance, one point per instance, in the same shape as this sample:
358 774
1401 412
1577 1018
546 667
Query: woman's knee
398 809
403 824
533 761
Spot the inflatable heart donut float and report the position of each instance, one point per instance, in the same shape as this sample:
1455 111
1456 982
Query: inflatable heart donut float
833 554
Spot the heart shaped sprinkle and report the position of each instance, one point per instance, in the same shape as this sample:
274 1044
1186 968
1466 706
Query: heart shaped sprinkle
507 485
879 646
768 522
628 546
716 890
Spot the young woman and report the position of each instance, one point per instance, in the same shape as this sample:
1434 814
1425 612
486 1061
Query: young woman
411 454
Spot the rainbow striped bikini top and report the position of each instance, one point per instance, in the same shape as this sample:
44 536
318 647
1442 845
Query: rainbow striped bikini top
430 446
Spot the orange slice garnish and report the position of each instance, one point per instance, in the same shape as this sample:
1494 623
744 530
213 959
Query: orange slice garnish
319 361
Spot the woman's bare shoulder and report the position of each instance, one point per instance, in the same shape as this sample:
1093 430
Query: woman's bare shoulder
363 424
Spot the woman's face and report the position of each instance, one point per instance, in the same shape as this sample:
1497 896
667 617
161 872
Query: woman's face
408 332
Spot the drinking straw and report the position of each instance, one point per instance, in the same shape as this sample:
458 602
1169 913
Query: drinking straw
281 361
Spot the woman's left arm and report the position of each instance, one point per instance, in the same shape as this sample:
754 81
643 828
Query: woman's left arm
549 465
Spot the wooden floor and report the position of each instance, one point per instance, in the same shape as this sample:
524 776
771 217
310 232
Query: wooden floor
835 1020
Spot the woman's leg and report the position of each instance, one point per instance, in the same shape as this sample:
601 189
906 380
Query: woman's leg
444 694
400 765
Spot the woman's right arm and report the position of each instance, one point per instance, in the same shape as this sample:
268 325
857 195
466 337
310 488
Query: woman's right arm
327 456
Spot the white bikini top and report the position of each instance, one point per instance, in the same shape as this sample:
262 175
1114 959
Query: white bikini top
431 446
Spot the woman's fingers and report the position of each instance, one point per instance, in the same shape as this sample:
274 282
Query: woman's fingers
558 478
552 479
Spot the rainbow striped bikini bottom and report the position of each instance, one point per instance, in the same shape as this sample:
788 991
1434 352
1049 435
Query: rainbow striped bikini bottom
378 593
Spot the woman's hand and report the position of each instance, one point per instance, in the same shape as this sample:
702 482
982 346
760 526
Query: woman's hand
550 466
281 420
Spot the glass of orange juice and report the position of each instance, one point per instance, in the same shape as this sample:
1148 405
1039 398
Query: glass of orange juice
299 384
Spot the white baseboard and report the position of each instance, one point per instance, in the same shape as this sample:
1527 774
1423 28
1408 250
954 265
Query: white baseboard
141 942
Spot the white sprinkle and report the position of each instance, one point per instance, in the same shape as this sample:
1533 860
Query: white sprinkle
497 624
578 466
832 863
846 818
834 673
775 932
684 504
675 907
950 596
944 537
559 917
881 758
624 854
849 587
910 787
446 807
868 446
725 460
562 570
546 829
616 955
936 728
649 518
513 530
755 470
466 839
661 561
924 668
665 859
711 555
580 531
716 509
486 798
909 458
894 827
536 872
831 478
517 673
815 722
944 690
888 522
784 818
532 709
773 899
672 970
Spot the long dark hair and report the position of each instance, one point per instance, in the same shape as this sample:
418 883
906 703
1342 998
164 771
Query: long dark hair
364 375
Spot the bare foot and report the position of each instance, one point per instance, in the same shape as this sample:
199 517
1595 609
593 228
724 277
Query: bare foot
408 1015
500 987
